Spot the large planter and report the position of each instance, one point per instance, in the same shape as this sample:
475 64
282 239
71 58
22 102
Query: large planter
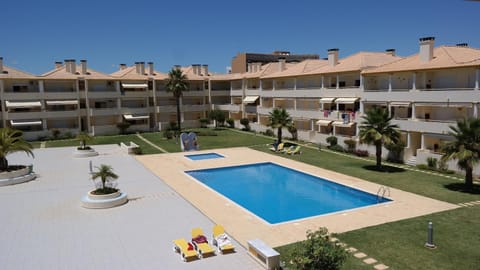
104 201
89 152
17 176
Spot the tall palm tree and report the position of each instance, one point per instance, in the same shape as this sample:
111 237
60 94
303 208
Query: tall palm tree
105 173
11 140
279 118
177 83
376 129
465 148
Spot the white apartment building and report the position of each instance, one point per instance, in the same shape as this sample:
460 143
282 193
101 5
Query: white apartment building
425 93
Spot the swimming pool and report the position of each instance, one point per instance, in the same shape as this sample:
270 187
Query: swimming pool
204 156
280 194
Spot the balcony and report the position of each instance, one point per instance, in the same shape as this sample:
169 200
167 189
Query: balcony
444 95
194 108
100 95
228 107
439 127
104 111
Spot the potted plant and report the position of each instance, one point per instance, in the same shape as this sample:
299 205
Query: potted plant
11 140
106 194
84 150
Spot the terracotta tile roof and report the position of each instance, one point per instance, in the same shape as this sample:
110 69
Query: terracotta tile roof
225 77
266 70
130 73
357 62
299 69
11 73
443 57
61 73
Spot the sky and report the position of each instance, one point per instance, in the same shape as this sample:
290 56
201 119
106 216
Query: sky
35 34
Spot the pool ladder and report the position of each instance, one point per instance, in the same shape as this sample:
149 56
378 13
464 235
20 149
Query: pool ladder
382 190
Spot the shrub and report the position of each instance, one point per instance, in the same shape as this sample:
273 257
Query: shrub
336 148
246 123
293 130
432 162
442 165
351 145
332 140
168 134
56 134
318 252
422 166
361 153
395 151
203 122
231 123
269 132
123 126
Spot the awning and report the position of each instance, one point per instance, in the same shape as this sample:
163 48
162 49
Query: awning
23 104
135 117
342 124
250 99
327 99
17 123
324 122
134 85
346 100
399 104
62 102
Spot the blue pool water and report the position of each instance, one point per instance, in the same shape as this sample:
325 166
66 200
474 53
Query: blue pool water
204 156
279 194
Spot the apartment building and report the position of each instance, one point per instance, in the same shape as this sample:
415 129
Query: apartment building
425 93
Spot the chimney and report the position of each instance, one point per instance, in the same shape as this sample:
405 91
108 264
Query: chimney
83 65
462 45
142 68
150 68
281 63
205 70
123 66
1 65
426 48
333 57
391 52
196 69
67 65
73 66
58 64
137 67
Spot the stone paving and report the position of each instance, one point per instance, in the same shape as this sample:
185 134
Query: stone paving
43 225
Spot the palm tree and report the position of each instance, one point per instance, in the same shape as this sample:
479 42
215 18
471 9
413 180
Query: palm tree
376 129
11 140
83 138
465 148
105 173
279 118
177 83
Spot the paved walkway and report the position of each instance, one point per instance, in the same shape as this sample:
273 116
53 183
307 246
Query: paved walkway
152 144
44 227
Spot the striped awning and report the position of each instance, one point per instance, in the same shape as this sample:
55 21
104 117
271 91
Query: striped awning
399 104
135 117
18 123
62 102
134 85
23 104
250 99
346 100
322 122
327 100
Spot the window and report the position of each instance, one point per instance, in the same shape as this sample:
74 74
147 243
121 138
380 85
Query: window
81 85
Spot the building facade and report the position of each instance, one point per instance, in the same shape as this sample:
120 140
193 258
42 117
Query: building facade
425 94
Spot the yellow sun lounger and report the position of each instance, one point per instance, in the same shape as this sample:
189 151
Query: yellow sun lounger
294 150
221 240
182 246
201 244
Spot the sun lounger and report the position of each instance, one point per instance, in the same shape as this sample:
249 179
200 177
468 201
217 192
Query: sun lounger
279 148
186 250
221 240
201 244
294 150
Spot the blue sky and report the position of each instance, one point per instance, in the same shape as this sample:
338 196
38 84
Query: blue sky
35 34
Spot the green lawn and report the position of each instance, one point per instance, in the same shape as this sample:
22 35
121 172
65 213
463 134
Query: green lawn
433 186
211 139
400 245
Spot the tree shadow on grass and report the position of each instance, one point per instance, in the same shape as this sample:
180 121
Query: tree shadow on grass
460 187
384 169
